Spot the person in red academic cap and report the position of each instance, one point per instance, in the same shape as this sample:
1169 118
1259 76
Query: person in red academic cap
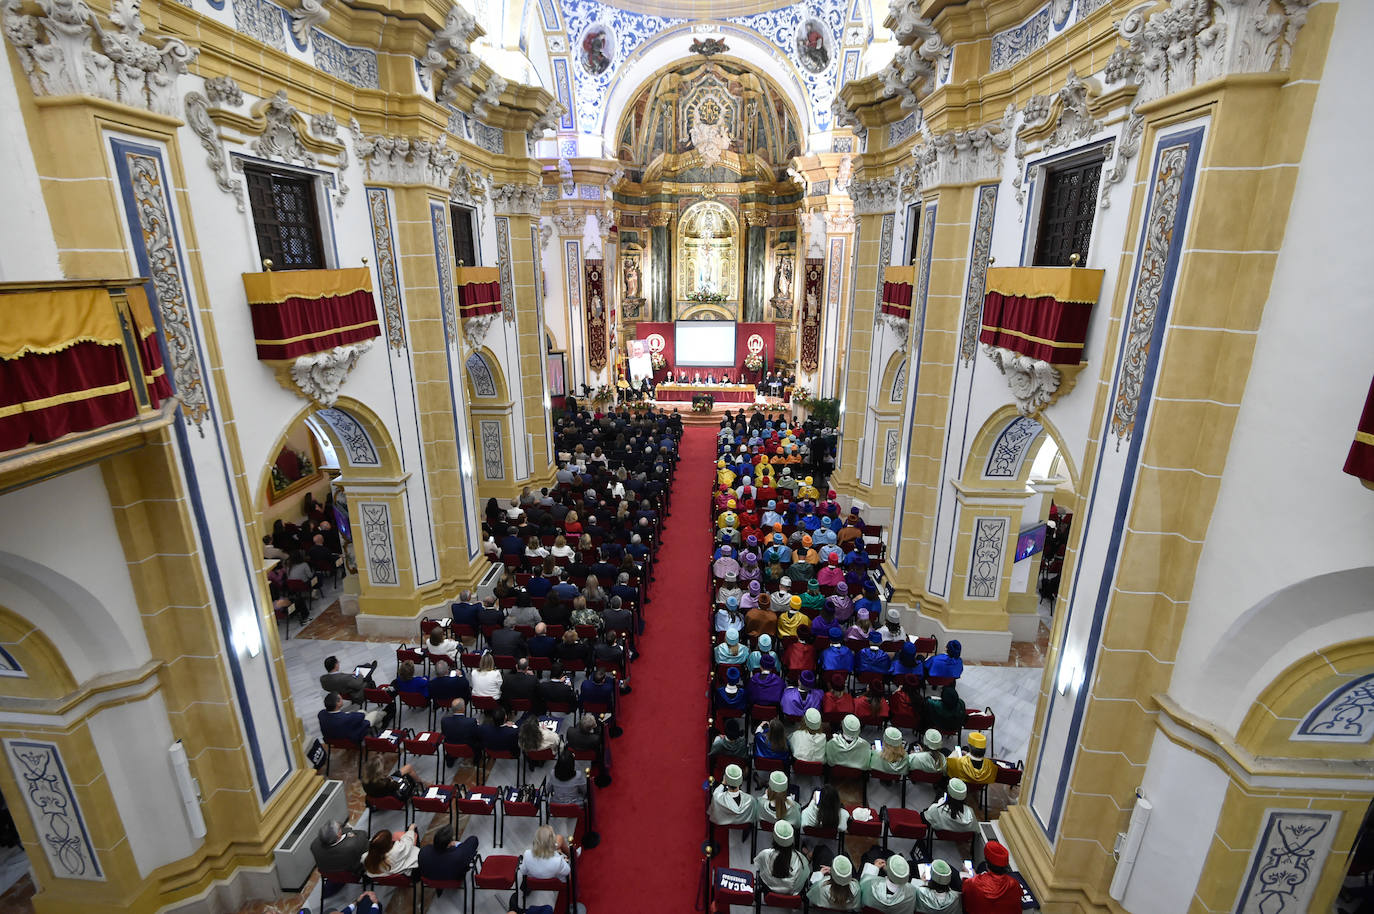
994 890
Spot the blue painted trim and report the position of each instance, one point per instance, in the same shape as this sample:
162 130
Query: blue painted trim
1304 729
441 249
391 374
968 402
926 223
11 667
216 5
55 755
291 33
1191 138
1261 861
1017 422
121 150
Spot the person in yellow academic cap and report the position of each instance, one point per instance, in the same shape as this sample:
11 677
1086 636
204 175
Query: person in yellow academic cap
724 475
807 490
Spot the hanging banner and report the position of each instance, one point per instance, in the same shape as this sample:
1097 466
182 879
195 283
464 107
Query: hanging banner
595 292
299 312
813 278
479 290
1360 461
1040 312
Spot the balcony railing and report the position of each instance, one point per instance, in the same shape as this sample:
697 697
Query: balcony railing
77 358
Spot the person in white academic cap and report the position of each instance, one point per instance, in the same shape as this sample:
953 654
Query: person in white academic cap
782 868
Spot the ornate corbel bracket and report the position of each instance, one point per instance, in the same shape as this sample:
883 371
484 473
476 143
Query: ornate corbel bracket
320 375
1034 383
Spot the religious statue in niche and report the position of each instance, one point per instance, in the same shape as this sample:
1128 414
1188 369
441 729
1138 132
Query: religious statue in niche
707 237
596 43
632 281
782 285
813 45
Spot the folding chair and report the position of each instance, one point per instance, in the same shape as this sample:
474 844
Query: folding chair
400 881
778 900
426 743
495 872
386 804
340 743
520 809
480 801
904 823
445 885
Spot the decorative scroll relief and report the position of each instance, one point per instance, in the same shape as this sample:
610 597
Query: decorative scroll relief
309 15
66 51
435 65
876 195
1034 383
375 519
198 118
469 186
964 156
404 160
1014 45
51 802
1064 119
490 97
1194 41
985 563
1289 855
384 247
320 374
438 218
1009 450
516 199
1150 278
898 391
483 384
260 20
164 265
978 272
503 251
493 456
1344 716
890 449
923 59
358 446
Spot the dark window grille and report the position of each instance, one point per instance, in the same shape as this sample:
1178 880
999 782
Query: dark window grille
464 241
1066 219
913 235
285 219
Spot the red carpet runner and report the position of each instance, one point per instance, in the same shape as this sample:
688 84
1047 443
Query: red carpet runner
651 818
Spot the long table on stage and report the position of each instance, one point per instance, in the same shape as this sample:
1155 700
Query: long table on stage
724 393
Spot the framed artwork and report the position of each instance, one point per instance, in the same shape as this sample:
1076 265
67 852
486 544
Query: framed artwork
558 384
294 471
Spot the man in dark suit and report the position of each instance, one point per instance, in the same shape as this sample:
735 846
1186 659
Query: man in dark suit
319 553
617 617
542 644
466 609
539 586
442 859
564 589
336 723
507 642
604 570
346 684
519 682
622 588
557 689
500 734
338 849
491 612
460 729
446 685
511 543
556 611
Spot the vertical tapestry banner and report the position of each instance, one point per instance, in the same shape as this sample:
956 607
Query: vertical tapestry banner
813 277
596 314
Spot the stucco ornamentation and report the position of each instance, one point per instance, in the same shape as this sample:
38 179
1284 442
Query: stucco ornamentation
874 195
1034 383
320 374
309 15
964 156
404 160
490 97
516 199
66 51
1193 41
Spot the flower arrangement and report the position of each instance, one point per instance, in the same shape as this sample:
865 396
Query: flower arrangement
703 403
658 361
753 361
802 396
603 395
702 296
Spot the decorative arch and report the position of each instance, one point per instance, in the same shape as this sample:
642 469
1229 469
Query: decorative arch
1276 651
673 44
894 377
1003 448
39 608
359 437
750 107
1322 705
485 379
